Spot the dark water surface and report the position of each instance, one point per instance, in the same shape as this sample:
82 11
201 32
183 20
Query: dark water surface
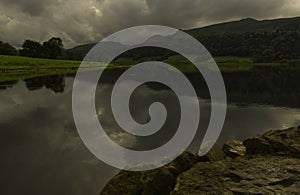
41 152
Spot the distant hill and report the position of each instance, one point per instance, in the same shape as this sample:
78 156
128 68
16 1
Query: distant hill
78 52
248 25
246 37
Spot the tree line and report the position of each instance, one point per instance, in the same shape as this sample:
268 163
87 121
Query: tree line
51 49
276 46
272 46
262 47
7 49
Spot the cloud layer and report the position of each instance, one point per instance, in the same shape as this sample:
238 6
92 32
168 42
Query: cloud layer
78 22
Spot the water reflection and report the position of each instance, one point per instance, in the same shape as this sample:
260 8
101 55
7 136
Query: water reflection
7 84
43 154
56 83
40 148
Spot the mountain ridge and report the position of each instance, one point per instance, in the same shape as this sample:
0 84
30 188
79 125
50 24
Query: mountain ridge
246 25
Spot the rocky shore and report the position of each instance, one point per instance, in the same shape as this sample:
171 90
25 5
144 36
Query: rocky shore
265 164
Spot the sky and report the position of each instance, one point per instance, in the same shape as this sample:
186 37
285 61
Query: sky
80 22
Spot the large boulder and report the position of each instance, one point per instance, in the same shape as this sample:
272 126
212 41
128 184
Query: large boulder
272 175
275 142
182 163
159 181
271 165
156 182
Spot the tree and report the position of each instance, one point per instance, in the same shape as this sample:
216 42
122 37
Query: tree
31 49
7 49
53 48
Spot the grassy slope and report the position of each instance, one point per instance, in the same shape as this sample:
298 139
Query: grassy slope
15 68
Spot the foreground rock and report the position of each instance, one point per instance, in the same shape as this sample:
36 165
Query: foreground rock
159 181
275 142
184 162
156 182
264 164
275 175
215 154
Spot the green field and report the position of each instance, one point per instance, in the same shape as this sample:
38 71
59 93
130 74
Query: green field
15 67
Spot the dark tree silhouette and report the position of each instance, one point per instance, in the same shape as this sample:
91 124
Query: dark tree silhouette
7 49
31 49
50 49
56 83
53 48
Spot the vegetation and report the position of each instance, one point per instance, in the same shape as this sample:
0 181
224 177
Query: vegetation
248 25
278 46
261 47
16 67
252 43
52 49
266 41
7 49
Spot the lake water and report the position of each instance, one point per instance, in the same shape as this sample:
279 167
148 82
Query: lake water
42 153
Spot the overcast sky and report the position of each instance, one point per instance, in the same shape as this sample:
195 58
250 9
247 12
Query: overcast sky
86 21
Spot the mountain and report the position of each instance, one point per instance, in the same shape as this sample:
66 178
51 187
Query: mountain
233 37
78 52
248 25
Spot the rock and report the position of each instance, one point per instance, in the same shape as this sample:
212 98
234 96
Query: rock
162 183
159 181
271 165
155 182
182 163
275 142
272 175
234 149
215 154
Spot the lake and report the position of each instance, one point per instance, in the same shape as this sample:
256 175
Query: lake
42 153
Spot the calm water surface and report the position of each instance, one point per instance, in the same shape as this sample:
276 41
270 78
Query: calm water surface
41 152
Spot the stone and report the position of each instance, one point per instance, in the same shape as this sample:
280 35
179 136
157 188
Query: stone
234 149
271 165
272 175
275 142
158 181
182 163
215 154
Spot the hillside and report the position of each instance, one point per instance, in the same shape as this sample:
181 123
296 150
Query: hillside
248 25
265 41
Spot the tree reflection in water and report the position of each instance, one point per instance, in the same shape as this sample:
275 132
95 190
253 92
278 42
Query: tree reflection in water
55 83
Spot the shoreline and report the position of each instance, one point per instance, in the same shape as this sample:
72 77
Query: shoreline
264 164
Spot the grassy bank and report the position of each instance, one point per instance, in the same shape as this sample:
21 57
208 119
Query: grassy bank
15 67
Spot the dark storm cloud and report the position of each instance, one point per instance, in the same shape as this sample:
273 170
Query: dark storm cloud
31 7
201 12
78 21
216 10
